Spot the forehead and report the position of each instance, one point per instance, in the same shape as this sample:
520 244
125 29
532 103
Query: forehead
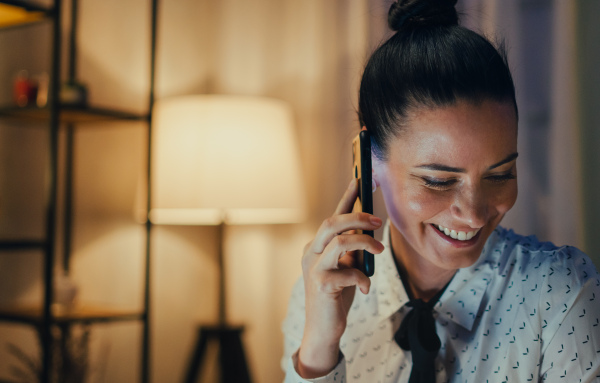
458 135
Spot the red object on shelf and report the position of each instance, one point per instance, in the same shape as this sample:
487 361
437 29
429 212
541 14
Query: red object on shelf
25 90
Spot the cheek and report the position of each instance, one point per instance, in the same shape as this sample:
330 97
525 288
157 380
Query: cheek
412 205
506 200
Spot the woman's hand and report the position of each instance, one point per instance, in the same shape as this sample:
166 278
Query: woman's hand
330 279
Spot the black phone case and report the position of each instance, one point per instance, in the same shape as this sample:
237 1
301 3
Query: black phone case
365 194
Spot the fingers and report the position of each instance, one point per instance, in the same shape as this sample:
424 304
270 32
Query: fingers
337 224
324 264
334 281
347 202
342 244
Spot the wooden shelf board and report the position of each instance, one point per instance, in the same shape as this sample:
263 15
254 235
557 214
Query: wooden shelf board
69 114
33 315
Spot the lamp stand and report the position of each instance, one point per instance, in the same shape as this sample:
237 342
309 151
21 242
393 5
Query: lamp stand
232 360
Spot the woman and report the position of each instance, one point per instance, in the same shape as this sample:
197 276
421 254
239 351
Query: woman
454 297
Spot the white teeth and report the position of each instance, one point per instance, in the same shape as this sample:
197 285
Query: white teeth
460 235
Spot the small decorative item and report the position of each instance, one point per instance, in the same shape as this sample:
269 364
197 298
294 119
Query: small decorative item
73 93
65 294
25 89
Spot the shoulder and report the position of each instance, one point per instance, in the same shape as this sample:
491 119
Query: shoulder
511 252
551 293
556 276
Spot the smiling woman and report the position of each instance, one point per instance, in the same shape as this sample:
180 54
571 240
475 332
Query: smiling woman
455 297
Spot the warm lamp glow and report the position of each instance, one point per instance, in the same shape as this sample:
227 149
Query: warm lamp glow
229 159
12 15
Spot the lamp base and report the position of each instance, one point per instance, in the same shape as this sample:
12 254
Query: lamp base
232 360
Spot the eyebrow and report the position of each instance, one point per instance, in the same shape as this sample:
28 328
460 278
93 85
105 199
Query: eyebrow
444 168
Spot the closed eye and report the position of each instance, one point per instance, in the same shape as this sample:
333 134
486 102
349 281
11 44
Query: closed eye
439 184
446 184
501 177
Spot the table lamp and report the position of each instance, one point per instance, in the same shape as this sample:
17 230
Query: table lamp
224 160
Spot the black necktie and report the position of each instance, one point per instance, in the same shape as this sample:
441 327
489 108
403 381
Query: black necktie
417 334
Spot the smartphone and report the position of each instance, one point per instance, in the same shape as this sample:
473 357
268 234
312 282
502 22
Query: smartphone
361 156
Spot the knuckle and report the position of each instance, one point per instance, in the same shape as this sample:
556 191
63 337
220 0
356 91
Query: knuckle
305 262
356 275
341 241
317 281
328 223
307 247
324 285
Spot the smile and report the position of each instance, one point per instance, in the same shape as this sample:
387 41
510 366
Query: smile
459 235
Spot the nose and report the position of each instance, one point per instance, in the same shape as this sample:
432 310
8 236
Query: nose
470 207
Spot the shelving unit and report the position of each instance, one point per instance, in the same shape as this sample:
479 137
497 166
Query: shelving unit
19 13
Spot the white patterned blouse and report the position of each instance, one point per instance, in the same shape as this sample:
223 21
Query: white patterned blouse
525 312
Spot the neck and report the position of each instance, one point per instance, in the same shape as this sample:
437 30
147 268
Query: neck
423 278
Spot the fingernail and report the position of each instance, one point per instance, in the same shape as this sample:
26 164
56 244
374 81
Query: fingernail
376 221
351 184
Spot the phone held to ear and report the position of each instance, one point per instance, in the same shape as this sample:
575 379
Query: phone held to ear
361 154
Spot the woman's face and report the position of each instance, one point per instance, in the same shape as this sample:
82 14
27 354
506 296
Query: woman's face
449 179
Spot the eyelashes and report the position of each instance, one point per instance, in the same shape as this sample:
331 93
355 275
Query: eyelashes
502 177
446 184
440 185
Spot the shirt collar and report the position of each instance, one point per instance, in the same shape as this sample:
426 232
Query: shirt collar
391 295
460 302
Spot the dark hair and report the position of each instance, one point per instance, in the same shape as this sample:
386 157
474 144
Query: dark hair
430 61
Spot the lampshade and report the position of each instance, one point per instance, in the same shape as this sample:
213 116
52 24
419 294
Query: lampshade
230 159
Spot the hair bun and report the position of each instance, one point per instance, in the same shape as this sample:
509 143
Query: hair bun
411 13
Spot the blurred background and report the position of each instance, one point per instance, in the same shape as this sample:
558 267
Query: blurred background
309 54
